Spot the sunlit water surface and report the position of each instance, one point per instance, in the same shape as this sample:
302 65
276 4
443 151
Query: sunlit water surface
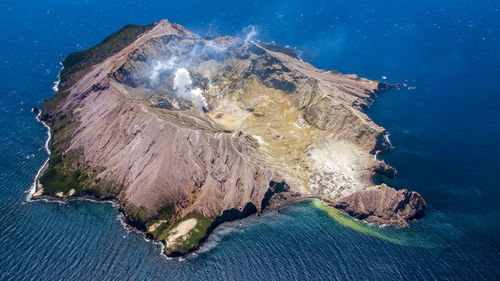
446 133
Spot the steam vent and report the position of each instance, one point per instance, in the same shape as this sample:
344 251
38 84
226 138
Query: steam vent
185 133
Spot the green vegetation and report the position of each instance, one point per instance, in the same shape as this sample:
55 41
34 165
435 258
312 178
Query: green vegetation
62 129
137 214
54 181
157 232
63 172
277 48
66 171
77 64
164 216
114 43
194 236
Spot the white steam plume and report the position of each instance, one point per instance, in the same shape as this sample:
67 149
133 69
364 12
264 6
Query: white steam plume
182 87
208 69
251 33
213 46
161 66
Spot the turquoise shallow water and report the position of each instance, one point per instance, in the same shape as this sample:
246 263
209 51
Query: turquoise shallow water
445 132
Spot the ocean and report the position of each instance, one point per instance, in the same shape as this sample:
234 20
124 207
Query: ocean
444 126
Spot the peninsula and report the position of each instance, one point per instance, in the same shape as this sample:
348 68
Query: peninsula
186 132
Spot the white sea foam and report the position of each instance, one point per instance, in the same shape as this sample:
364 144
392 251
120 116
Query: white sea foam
221 231
387 140
32 190
56 83
120 218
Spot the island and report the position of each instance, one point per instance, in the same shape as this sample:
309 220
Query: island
185 132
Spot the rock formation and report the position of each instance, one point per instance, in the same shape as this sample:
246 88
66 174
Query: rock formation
384 205
186 132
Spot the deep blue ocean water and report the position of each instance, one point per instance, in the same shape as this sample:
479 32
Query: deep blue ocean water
446 134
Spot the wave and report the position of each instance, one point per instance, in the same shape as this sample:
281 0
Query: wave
157 243
32 189
56 83
218 235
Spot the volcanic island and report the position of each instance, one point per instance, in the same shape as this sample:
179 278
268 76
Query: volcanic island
185 132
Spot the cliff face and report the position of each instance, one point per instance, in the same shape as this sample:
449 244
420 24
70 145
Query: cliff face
382 204
187 132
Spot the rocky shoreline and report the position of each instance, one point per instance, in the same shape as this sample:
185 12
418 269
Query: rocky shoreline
132 224
184 133
353 206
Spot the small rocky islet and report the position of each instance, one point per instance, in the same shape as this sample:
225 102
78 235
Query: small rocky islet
186 132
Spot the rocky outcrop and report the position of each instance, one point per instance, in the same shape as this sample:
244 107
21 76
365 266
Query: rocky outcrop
384 205
187 132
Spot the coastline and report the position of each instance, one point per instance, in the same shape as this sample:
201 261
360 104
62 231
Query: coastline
34 187
269 202
31 197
